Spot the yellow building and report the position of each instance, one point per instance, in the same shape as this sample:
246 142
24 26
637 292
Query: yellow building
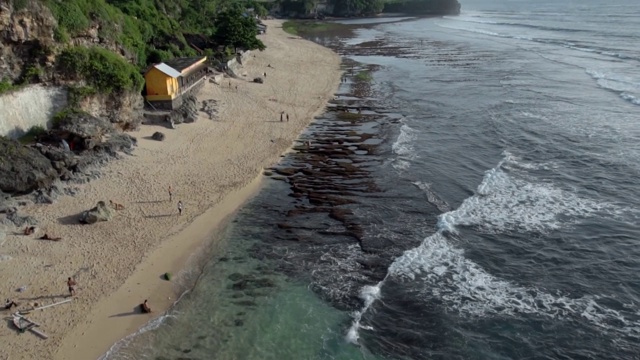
168 81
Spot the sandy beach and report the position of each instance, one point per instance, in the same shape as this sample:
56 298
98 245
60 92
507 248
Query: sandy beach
213 166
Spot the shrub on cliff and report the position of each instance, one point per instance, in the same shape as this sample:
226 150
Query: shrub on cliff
105 71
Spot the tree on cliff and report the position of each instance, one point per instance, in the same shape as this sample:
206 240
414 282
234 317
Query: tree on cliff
357 7
238 29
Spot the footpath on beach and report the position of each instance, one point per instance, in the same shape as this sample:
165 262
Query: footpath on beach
213 166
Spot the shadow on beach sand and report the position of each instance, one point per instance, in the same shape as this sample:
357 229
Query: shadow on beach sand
70 219
136 310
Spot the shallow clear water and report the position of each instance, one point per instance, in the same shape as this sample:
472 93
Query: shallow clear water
492 202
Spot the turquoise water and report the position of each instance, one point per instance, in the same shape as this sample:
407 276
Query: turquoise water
241 309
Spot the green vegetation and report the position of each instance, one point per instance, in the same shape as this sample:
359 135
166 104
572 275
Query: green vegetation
307 27
105 71
372 7
62 115
291 27
158 29
364 76
5 85
20 4
79 93
237 30
32 134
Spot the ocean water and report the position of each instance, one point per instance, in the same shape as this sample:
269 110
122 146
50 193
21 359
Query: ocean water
477 198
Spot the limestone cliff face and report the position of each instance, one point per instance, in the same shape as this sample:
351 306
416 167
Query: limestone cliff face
21 33
27 40
124 109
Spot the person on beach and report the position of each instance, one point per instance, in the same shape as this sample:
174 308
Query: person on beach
179 207
144 307
265 74
287 117
8 304
71 284
29 230
170 193
281 116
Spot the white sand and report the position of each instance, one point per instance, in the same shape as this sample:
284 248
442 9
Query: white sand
213 166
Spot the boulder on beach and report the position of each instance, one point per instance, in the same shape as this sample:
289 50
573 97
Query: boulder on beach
258 80
157 136
101 212
23 169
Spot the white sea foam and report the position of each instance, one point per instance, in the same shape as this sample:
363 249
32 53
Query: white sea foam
150 326
627 87
403 148
368 294
502 203
432 197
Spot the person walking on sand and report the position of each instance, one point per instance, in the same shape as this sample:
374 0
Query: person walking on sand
281 116
179 207
287 117
71 284
170 193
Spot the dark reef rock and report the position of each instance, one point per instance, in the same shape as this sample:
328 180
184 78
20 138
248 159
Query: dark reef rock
23 169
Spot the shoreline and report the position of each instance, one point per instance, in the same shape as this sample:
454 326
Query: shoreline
214 165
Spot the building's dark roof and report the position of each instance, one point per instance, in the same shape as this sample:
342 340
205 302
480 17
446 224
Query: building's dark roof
182 63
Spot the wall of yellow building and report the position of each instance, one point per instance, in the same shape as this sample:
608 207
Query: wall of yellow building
159 83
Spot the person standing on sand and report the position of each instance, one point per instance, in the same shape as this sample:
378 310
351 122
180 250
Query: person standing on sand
170 194
281 116
179 207
287 117
71 284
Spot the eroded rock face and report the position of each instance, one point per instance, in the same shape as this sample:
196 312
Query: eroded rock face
124 109
23 169
20 32
101 212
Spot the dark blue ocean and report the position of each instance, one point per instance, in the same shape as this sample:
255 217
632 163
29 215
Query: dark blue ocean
471 193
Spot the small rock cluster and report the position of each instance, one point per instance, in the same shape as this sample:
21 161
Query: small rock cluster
209 108
186 113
